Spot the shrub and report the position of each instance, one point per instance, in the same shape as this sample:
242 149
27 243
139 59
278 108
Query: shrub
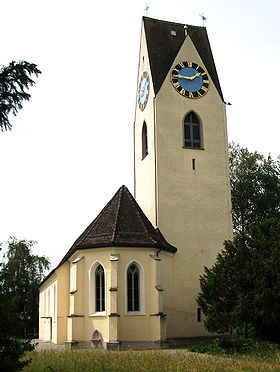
11 353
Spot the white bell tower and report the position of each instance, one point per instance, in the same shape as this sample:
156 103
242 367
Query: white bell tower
181 160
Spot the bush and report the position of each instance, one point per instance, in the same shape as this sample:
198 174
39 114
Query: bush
11 353
232 344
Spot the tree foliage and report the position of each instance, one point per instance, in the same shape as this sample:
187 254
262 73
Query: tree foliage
12 352
241 291
20 275
15 80
255 187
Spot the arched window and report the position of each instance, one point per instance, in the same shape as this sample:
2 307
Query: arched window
133 288
99 289
144 140
192 131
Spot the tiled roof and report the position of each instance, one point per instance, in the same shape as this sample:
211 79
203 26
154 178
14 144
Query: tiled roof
121 223
163 48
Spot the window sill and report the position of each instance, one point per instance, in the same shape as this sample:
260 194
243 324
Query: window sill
193 148
133 313
102 314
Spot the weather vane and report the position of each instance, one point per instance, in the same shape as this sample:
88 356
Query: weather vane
203 18
147 7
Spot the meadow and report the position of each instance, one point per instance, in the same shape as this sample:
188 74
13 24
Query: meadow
86 360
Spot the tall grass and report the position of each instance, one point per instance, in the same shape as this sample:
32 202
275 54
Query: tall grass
140 361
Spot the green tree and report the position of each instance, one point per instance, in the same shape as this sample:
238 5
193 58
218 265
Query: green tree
241 291
221 298
12 352
264 268
20 275
15 80
255 187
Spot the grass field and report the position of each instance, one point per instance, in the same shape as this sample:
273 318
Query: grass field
157 360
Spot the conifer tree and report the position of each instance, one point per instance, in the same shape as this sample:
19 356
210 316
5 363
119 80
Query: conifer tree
15 80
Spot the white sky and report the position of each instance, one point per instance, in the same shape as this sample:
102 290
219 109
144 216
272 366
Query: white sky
71 146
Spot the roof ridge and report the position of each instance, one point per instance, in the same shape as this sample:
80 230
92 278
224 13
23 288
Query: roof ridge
80 239
118 214
141 214
172 23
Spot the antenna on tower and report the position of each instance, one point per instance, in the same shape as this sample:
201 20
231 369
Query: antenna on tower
147 7
203 18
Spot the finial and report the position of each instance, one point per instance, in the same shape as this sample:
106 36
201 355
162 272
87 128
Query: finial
186 30
147 7
203 18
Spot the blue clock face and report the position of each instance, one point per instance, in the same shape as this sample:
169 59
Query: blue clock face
143 91
190 80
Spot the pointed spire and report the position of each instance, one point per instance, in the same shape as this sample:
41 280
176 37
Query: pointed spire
163 47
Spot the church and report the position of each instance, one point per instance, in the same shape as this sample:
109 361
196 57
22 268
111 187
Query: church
132 277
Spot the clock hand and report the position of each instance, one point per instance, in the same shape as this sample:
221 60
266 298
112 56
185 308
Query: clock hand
188 77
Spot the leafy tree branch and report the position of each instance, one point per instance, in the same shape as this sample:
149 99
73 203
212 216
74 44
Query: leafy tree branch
15 80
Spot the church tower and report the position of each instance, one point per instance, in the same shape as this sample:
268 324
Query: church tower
181 161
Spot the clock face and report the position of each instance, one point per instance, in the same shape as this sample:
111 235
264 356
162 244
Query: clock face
143 90
190 80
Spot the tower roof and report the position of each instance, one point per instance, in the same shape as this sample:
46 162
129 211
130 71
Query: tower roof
120 223
163 46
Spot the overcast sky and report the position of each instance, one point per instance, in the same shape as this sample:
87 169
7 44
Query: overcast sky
71 146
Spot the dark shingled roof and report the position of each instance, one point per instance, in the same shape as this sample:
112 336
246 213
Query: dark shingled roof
121 223
163 48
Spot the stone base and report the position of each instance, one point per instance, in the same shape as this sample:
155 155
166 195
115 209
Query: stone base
92 344
171 343
79 345
71 345
113 345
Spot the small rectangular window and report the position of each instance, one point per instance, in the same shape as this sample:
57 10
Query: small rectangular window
193 164
198 314
173 33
